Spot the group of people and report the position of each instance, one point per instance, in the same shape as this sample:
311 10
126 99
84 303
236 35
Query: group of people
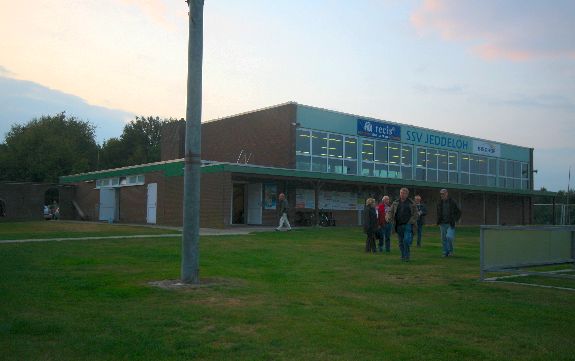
407 217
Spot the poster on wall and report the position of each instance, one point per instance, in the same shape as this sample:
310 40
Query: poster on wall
328 200
270 196
304 198
333 200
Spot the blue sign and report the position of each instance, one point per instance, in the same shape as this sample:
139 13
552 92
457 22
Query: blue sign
370 128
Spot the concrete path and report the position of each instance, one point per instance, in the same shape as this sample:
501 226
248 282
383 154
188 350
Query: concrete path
240 230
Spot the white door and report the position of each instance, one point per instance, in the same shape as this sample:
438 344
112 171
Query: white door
108 204
255 203
152 203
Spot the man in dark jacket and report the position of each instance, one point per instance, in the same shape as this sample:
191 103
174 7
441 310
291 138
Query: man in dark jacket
421 213
403 215
370 224
447 214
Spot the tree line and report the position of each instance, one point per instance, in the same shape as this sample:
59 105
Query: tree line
51 146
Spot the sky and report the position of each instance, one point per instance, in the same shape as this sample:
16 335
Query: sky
497 70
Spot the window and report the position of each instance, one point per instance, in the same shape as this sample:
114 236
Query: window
302 145
394 153
367 150
351 148
335 148
381 154
335 165
319 164
350 167
303 162
406 161
319 144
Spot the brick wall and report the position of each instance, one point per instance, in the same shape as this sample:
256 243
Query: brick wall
266 136
25 201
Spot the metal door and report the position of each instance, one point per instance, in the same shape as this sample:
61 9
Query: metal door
255 203
152 203
108 204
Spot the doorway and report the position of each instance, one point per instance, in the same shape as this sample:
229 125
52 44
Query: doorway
108 205
238 203
152 203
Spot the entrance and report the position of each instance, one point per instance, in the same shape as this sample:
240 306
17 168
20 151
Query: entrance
255 203
108 205
238 203
152 203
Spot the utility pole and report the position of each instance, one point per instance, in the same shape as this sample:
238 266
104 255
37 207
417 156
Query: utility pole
190 270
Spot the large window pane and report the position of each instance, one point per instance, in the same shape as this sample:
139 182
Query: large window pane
517 183
366 169
432 158
394 171
509 169
473 166
516 170
492 169
350 167
380 170
442 176
431 175
351 148
524 170
381 152
502 168
303 162
335 165
465 163
406 172
442 160
453 164
525 184
453 177
319 164
491 181
482 165
367 150
335 146
407 155
394 154
464 178
420 174
319 143
420 158
302 144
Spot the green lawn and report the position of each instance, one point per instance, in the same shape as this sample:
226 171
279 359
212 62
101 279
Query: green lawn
64 229
309 294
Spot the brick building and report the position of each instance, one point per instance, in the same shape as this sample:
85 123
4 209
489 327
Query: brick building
324 161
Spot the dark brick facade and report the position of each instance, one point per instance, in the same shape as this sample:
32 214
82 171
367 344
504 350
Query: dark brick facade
25 201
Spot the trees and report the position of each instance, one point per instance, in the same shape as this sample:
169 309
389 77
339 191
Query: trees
139 143
48 147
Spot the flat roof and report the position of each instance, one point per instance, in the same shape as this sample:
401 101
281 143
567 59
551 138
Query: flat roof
175 168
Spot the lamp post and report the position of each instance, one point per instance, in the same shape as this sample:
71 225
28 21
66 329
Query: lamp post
190 270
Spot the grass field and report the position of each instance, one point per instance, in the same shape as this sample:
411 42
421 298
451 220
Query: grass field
309 294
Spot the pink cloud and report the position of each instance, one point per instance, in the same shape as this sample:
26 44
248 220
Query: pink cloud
515 30
154 9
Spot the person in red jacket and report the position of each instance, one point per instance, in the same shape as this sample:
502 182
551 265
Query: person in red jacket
384 232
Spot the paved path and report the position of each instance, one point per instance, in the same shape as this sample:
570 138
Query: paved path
203 232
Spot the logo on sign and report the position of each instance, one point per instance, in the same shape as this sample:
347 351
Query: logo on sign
485 148
380 130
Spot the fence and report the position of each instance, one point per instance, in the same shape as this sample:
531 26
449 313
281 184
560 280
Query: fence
511 249
558 214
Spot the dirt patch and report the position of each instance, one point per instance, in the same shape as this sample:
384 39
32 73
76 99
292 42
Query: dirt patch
204 283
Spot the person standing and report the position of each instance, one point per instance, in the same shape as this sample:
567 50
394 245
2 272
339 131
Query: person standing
384 227
403 214
283 212
370 224
421 213
447 214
